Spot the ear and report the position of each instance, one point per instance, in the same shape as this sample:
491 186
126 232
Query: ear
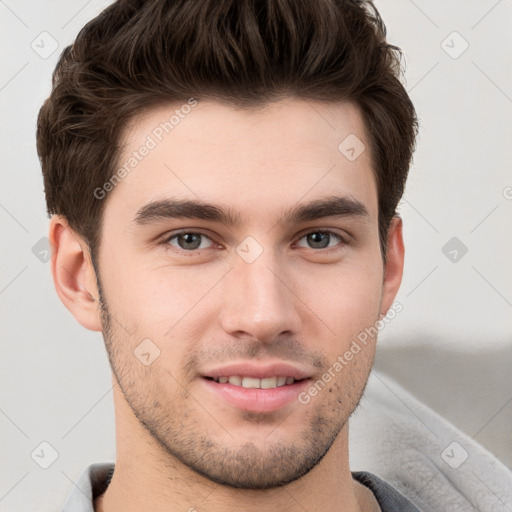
393 270
73 274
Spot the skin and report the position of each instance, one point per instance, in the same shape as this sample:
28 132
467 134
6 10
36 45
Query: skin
178 446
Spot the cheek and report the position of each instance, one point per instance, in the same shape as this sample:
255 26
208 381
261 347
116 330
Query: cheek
346 299
160 302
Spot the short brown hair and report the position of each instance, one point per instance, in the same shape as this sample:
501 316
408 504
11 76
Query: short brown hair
138 54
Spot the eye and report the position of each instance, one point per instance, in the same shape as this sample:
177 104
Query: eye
322 239
187 241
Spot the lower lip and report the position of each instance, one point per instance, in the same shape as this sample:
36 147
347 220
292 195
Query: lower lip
255 399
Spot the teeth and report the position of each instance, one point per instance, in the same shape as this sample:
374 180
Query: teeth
269 382
237 381
251 382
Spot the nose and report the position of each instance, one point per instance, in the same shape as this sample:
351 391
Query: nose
259 300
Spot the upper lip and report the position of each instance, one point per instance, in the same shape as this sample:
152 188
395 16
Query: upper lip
258 371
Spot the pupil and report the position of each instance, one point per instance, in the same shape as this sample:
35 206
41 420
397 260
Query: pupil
189 239
316 238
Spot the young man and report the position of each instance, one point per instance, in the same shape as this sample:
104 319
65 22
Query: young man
223 179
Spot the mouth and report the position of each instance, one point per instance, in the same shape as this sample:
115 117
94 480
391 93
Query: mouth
254 388
254 382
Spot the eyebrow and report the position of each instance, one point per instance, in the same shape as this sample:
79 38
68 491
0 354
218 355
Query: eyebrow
333 206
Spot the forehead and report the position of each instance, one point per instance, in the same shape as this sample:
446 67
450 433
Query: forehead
252 159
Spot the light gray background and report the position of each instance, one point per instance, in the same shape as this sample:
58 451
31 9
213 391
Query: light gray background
451 344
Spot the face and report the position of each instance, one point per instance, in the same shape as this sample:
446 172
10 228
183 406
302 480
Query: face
239 261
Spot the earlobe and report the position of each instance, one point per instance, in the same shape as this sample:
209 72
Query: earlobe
73 274
393 270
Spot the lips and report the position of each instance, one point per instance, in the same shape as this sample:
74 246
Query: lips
256 388
276 369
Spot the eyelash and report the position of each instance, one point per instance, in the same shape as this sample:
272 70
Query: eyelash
326 250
